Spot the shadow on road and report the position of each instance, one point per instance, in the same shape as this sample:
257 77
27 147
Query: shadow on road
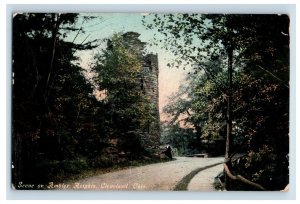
184 182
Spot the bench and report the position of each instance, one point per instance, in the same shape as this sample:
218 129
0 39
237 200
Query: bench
202 155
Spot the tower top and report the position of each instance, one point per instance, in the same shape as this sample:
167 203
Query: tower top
133 42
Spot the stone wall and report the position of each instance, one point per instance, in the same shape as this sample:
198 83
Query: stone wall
148 82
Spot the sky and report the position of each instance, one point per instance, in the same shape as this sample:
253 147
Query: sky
108 24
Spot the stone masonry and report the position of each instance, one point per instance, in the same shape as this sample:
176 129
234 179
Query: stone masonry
148 82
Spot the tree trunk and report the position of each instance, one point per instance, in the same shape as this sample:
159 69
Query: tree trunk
229 139
198 136
229 102
242 179
56 22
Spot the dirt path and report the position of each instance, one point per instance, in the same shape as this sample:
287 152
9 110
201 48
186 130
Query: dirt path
160 176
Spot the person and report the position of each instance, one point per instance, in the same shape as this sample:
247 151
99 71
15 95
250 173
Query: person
168 152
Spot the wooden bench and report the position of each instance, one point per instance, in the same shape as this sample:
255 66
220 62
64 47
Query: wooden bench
202 155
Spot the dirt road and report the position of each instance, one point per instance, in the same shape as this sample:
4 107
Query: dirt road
154 177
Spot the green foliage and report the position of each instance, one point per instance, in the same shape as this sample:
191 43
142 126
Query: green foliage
130 112
59 127
182 139
103 161
259 48
74 166
53 107
264 154
199 103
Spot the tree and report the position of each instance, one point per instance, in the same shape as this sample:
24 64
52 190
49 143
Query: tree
118 69
219 30
267 74
51 97
247 44
200 103
181 139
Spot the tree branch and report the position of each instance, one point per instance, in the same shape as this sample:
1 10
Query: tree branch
273 75
242 179
54 36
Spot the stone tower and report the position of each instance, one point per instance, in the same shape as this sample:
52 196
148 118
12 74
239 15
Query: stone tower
148 82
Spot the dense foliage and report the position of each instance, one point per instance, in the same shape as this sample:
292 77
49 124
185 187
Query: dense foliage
236 99
200 104
182 140
240 86
118 69
51 97
59 126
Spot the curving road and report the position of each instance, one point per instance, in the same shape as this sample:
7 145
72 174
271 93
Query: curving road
154 177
